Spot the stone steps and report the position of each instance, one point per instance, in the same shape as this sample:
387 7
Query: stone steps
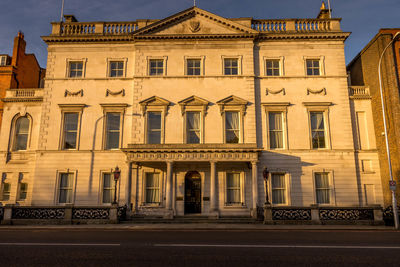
191 219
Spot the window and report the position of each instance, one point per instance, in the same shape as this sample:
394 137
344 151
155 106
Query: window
272 67
108 188
193 66
113 122
70 130
22 191
75 69
322 188
275 120
3 60
233 188
65 188
21 134
313 67
156 67
278 187
116 69
317 130
5 194
193 128
232 127
231 66
366 166
154 127
152 188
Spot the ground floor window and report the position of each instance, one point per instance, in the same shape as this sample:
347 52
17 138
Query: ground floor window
278 183
152 185
233 189
22 191
322 187
6 190
108 188
65 188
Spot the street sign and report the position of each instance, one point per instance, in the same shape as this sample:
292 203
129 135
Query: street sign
392 185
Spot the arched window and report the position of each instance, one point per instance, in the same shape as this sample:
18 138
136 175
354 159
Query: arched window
21 133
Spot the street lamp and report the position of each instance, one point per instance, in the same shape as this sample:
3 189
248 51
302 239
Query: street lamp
265 174
117 173
392 182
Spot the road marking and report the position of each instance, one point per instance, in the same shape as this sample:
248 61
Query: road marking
273 246
59 244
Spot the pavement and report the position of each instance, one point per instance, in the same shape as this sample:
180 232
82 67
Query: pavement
196 226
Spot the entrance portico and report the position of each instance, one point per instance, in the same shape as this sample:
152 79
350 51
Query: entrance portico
205 167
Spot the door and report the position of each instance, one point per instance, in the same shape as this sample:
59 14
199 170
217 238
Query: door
192 193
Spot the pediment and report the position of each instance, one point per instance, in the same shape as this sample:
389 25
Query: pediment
193 101
194 21
232 102
154 101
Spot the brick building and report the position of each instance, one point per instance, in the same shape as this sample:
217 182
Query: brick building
20 70
363 70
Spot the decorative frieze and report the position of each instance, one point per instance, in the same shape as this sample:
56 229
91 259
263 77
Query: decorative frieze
346 214
275 92
38 213
70 93
192 156
316 92
291 214
120 92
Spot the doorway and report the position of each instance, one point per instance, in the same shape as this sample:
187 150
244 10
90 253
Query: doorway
192 192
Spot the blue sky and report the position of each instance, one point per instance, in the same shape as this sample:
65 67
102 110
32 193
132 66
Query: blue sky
361 17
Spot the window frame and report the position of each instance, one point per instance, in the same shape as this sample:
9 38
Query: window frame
202 65
101 187
200 110
322 107
70 108
22 180
163 58
58 189
242 202
287 178
332 195
162 135
124 69
113 108
68 68
14 132
5 180
281 66
240 141
160 189
239 59
276 107
321 60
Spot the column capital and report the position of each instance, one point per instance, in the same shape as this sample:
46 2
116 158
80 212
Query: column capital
254 162
213 161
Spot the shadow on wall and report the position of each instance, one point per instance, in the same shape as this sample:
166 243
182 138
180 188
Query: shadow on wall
292 165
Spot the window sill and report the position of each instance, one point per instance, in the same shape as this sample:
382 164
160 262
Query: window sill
235 206
147 205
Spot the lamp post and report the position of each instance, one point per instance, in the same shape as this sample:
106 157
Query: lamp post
117 173
265 175
393 189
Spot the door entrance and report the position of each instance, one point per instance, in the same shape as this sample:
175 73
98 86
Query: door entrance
192 192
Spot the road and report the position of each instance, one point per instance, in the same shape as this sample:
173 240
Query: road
198 248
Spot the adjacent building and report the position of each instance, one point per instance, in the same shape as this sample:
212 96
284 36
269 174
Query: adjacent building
363 73
195 110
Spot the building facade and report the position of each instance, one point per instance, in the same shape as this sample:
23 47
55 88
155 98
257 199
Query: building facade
195 110
363 71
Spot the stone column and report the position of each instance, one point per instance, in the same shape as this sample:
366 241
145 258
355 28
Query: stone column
213 189
254 176
168 189
128 187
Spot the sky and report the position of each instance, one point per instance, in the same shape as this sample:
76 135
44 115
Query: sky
363 18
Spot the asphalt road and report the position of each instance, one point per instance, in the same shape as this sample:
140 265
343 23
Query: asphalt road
198 248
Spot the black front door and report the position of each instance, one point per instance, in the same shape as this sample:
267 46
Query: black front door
192 193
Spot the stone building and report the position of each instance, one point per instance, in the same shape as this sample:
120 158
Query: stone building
195 109
363 72
19 70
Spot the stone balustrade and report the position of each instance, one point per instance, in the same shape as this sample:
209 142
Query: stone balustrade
25 94
296 25
358 92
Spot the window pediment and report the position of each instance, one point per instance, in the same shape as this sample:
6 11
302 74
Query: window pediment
154 101
193 101
232 102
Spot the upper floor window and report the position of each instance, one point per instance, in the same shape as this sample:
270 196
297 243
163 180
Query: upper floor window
275 123
65 188
21 134
156 67
113 124
272 67
193 127
116 69
70 130
232 127
317 130
3 60
193 67
75 69
231 66
154 127
313 67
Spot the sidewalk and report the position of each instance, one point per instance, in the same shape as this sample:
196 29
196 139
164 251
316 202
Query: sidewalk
194 226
